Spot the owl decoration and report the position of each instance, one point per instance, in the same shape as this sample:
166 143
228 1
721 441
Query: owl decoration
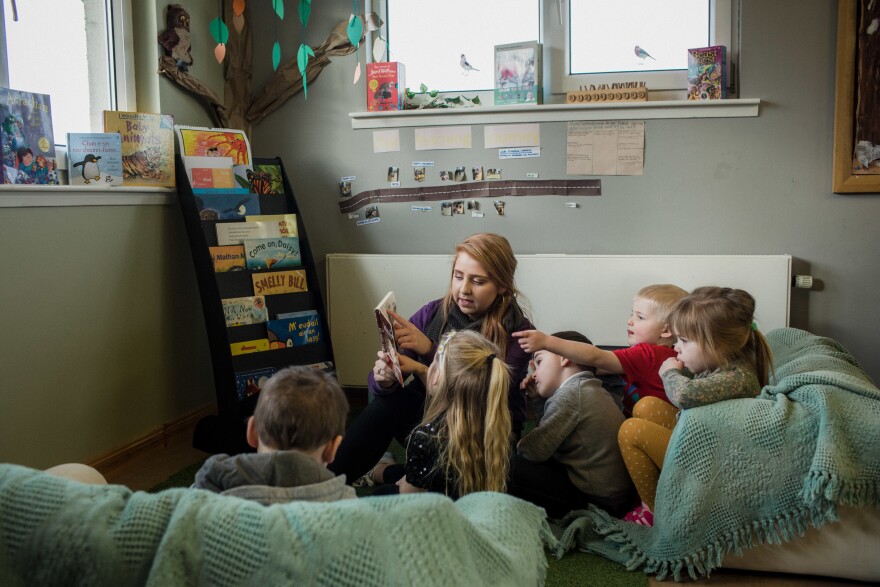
175 37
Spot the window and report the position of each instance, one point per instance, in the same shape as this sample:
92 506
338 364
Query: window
599 38
68 50
430 36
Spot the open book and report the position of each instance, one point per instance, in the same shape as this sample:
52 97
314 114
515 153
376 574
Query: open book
386 331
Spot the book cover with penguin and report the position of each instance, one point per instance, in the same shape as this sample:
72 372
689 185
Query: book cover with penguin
94 159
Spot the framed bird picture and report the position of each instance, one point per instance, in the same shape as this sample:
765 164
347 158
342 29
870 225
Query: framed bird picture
856 163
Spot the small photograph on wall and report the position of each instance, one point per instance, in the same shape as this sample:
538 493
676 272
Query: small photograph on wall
372 212
499 207
477 173
458 207
473 205
493 173
419 173
344 188
460 174
444 176
446 208
393 174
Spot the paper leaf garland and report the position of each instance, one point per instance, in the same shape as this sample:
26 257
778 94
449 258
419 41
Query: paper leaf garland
219 31
302 60
379 47
355 30
238 22
219 52
238 7
357 73
278 5
305 10
276 55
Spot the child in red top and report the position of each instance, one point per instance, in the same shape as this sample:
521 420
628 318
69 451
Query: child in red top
647 332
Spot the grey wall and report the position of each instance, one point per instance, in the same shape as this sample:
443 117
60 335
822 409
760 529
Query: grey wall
714 186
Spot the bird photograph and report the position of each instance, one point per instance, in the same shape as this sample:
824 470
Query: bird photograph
465 66
642 54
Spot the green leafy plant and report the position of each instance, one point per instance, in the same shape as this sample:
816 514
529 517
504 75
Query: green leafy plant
426 98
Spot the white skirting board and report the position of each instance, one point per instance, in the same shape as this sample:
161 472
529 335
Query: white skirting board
588 293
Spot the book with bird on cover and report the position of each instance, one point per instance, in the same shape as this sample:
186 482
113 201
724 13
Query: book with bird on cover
95 159
27 145
707 73
386 332
518 73
147 146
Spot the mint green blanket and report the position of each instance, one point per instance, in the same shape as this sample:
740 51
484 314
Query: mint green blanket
749 471
58 532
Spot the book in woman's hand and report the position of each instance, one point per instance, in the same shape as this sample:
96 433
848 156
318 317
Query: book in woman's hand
386 332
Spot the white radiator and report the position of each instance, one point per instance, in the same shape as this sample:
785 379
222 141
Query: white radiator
589 293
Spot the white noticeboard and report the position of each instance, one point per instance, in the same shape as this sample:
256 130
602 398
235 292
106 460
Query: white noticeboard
588 293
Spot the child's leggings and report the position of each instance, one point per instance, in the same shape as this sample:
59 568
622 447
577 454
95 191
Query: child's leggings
643 440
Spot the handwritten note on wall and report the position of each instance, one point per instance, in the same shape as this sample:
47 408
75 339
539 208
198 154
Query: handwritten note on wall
443 137
512 135
606 148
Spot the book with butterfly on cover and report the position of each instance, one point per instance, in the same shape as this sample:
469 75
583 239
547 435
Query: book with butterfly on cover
27 145
386 332
147 146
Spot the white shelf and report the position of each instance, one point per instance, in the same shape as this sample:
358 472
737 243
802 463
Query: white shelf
35 196
738 108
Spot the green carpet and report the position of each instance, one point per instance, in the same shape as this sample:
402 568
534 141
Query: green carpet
575 568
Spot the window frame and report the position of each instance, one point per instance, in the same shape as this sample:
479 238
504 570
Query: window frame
723 30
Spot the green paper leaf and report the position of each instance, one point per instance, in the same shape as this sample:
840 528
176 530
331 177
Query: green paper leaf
355 30
305 10
278 5
476 100
276 55
219 30
423 88
302 60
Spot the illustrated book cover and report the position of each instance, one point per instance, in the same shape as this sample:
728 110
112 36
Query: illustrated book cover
214 142
248 383
279 282
249 346
266 178
386 332
298 329
518 73
27 145
209 172
263 254
277 225
95 159
246 310
386 86
228 258
226 206
707 73
147 146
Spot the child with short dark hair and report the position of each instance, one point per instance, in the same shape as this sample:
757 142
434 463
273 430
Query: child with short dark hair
571 458
296 428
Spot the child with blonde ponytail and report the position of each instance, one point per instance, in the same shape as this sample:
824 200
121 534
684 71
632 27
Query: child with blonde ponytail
462 444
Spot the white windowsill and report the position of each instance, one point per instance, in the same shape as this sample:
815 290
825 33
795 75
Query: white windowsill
38 196
733 108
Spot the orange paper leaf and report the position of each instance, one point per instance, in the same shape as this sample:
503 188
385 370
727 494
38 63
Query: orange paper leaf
238 7
220 52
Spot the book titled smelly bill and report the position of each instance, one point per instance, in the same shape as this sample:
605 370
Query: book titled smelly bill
264 254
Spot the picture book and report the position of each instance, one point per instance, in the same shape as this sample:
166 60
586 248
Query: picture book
286 222
707 73
247 310
279 282
249 346
226 206
518 73
263 254
235 233
386 332
95 159
386 86
214 142
267 179
209 172
248 383
228 258
147 146
300 330
27 145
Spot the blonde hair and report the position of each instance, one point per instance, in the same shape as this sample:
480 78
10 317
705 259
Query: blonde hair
720 320
300 408
663 296
470 407
495 254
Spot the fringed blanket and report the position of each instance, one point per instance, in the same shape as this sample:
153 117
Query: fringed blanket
59 532
748 471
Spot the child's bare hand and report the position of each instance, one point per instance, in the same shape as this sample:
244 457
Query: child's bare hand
531 341
527 385
671 363
383 372
409 337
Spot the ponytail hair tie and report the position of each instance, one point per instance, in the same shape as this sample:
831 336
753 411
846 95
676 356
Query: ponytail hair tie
754 327
489 359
